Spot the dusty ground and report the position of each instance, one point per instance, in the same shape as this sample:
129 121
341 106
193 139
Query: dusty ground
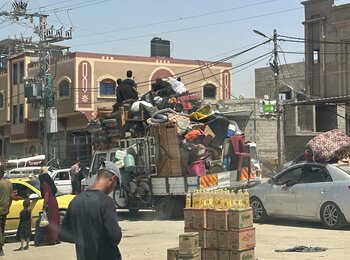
148 238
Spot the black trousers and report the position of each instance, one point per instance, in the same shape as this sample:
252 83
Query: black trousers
75 187
2 229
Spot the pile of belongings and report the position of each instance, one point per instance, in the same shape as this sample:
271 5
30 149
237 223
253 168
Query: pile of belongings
200 134
328 147
104 129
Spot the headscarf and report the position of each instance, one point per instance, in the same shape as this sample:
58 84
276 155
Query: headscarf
45 177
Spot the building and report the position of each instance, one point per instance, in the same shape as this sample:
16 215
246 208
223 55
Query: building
82 82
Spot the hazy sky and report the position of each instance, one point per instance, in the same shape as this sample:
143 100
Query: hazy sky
197 29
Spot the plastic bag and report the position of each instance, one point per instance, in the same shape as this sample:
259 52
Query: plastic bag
44 221
177 86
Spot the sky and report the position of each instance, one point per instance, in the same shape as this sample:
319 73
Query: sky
198 29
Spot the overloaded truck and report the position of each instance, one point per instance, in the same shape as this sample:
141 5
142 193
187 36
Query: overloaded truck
164 154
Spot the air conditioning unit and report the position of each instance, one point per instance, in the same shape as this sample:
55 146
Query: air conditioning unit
282 96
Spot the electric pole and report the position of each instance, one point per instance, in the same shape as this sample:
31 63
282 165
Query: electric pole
275 69
39 89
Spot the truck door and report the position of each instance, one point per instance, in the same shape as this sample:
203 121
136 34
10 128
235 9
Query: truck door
98 158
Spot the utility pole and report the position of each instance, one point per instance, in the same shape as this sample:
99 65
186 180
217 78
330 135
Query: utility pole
275 69
39 89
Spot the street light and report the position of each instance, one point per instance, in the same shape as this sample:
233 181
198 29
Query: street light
275 68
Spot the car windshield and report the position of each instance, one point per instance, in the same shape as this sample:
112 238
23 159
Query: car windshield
36 183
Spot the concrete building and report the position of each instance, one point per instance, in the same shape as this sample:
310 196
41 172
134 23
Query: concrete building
82 82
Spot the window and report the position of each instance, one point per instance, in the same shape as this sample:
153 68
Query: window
63 88
15 74
316 56
289 177
21 113
314 174
21 71
21 192
209 91
62 176
14 114
107 87
99 158
1 100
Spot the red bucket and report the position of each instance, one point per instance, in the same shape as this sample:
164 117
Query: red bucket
197 168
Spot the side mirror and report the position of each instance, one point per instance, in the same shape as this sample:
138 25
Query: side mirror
34 196
270 181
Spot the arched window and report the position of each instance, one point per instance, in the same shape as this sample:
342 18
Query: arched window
1 100
107 87
63 88
209 91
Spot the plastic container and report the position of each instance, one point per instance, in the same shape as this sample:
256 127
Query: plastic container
120 155
197 168
129 162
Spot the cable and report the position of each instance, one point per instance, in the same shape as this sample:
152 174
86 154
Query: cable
303 40
189 28
184 18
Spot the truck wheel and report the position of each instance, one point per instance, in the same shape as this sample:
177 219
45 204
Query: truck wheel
165 208
178 208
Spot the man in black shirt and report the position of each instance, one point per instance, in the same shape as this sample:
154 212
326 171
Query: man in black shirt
91 219
127 89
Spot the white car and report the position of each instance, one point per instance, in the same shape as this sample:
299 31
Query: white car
306 191
62 180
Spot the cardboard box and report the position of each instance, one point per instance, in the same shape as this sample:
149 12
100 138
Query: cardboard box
211 239
211 221
210 254
221 222
241 239
238 219
201 235
199 218
188 244
193 257
223 240
173 253
188 218
243 255
224 254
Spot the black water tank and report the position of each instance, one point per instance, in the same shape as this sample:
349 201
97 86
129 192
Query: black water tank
160 48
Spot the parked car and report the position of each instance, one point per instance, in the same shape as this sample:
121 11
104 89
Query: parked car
22 172
306 191
62 180
30 188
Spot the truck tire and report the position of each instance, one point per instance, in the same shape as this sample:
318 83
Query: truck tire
165 208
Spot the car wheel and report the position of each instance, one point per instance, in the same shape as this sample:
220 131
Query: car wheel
331 216
62 214
164 208
259 212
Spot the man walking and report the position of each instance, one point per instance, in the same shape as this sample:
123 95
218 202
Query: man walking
74 170
91 219
6 193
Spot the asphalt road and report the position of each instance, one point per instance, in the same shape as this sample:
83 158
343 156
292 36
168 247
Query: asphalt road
145 237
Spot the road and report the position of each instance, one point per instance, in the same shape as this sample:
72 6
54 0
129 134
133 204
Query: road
145 237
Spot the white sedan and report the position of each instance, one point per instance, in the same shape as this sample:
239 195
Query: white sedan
62 180
306 191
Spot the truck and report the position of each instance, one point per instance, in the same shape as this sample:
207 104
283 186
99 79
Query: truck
147 188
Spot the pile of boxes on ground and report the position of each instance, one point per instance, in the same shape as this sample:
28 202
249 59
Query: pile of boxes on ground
216 234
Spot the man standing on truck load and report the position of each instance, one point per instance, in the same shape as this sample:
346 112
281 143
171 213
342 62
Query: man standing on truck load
91 219
127 90
5 204
74 170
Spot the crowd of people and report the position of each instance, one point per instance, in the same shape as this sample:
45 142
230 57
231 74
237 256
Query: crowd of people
90 221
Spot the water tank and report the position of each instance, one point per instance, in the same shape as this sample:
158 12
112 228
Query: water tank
160 48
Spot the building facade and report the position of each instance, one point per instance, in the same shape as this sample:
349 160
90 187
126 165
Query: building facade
82 82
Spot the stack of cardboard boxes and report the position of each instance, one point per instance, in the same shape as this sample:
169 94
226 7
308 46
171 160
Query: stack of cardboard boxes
223 234
188 248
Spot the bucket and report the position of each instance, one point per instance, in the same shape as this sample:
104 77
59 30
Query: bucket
197 168
129 162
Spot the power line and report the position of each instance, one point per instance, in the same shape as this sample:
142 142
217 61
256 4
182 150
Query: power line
185 18
189 28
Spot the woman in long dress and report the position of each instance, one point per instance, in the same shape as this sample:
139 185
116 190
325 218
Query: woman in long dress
50 205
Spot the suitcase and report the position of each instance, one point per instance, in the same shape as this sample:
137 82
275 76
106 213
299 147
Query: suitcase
39 232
